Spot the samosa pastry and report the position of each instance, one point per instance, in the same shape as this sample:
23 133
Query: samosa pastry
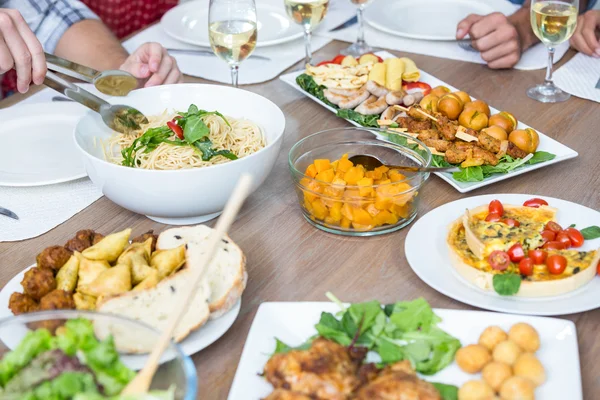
89 270
143 249
149 282
115 280
140 270
66 279
84 301
167 262
109 248
411 72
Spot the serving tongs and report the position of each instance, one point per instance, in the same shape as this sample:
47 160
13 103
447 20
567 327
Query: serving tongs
121 118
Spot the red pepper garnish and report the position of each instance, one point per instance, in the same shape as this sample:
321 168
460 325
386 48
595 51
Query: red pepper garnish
338 59
425 88
175 128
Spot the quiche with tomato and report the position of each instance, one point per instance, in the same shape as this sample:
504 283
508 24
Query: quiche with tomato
522 241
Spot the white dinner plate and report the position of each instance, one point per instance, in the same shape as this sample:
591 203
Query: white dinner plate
428 19
427 253
37 144
188 22
548 144
293 323
196 341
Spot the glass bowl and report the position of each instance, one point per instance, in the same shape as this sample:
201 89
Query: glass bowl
133 340
344 199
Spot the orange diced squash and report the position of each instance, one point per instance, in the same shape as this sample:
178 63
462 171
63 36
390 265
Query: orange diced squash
353 175
309 196
383 169
308 206
370 174
365 187
371 209
339 182
345 223
361 227
333 192
339 174
335 212
315 187
344 164
319 209
396 176
305 182
322 164
346 211
382 201
334 164
326 175
385 217
311 170
330 221
361 217
401 211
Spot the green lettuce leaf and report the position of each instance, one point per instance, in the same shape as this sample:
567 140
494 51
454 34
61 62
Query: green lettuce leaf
448 392
369 121
307 83
33 344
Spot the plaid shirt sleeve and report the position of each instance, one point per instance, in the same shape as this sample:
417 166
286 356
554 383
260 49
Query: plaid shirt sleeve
50 19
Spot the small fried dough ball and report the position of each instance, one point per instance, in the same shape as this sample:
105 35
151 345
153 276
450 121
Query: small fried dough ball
517 388
38 282
528 366
525 336
57 300
143 237
476 390
495 373
491 336
20 303
53 257
506 352
472 358
83 239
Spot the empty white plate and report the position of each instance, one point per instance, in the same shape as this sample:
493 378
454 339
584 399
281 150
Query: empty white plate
428 19
37 144
188 22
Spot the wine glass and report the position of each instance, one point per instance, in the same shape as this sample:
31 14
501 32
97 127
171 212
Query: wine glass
309 14
553 22
232 31
359 47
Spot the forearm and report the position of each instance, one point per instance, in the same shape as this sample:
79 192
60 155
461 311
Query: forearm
91 43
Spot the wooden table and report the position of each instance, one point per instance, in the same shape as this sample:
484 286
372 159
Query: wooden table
289 260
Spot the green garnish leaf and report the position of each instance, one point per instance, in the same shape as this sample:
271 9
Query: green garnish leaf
205 147
507 284
572 226
307 83
448 392
470 174
540 156
281 347
369 121
194 129
591 232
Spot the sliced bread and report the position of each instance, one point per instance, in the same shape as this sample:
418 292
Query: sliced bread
226 275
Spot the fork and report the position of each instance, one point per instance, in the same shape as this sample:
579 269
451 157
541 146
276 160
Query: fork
465 44
8 213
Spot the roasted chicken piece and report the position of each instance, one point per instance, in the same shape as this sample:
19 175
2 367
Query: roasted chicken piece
461 152
326 371
397 382
20 303
145 236
38 282
53 257
418 113
446 127
412 125
83 239
492 144
281 394
438 144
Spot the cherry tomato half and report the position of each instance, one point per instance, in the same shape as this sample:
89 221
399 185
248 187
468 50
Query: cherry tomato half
526 267
324 63
537 256
499 260
554 245
516 252
548 236
511 222
553 226
575 236
496 207
493 217
556 264
564 239
176 129
535 203
598 268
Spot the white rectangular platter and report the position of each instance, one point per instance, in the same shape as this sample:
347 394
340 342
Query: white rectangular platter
293 323
547 144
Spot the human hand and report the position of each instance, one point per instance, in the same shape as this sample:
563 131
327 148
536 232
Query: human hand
152 61
585 38
496 38
20 49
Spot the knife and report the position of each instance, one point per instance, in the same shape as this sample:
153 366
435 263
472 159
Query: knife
598 84
200 52
346 24
8 213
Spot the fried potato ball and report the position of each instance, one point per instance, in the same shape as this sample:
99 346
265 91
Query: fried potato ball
506 352
517 388
53 257
472 358
528 366
525 336
495 373
57 300
20 303
38 282
491 336
83 239
476 390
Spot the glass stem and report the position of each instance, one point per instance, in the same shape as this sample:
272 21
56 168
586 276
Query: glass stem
360 39
550 66
308 51
234 75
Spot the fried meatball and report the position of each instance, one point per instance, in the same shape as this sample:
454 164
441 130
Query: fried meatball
495 373
517 388
142 238
507 352
20 303
476 390
57 300
528 366
83 239
38 282
53 257
491 336
472 358
525 336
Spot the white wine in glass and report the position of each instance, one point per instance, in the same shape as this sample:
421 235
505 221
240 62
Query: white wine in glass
232 32
553 22
309 14
359 47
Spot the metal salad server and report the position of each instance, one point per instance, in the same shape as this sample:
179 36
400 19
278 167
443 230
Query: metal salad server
121 118
111 82
371 162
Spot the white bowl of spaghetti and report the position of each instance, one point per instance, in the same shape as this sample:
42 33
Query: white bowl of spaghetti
182 167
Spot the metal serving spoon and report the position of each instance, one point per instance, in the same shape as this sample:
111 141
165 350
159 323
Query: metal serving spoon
371 162
121 118
112 82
